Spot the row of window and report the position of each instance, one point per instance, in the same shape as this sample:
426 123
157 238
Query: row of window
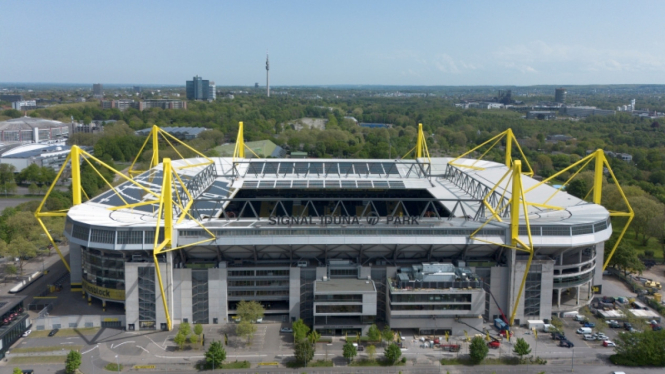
258 273
259 283
431 307
259 293
339 309
332 298
424 298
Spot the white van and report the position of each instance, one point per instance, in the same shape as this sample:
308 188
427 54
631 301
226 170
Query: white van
584 330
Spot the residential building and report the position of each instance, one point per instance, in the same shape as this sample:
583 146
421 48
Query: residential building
125 104
11 98
182 133
585 111
24 105
560 95
97 91
540 114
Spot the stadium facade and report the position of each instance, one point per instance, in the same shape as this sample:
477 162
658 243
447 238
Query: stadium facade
431 244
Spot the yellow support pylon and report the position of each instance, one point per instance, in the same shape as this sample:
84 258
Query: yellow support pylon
510 140
420 149
239 150
165 206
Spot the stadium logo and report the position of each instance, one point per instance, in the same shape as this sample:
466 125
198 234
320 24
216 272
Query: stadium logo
372 219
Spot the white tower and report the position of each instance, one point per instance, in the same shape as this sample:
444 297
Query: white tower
632 105
267 75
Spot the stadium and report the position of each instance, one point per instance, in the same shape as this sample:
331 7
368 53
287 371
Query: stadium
435 245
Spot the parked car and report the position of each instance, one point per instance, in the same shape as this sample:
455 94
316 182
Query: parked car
27 332
580 317
360 348
584 330
53 332
627 326
615 325
286 330
589 337
558 336
609 343
589 324
494 344
656 327
566 343
599 336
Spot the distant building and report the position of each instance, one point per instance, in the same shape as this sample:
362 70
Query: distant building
375 125
298 155
80 99
137 88
32 130
200 89
559 138
125 104
352 119
15 319
256 85
263 148
585 111
24 105
560 95
95 127
97 91
505 97
540 114
624 157
486 105
182 133
11 98
47 155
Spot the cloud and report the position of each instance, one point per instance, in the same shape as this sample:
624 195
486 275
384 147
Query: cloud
538 55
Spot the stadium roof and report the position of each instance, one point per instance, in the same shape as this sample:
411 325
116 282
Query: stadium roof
29 123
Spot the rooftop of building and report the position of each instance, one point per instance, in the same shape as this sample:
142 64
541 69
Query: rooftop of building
263 148
34 150
29 123
227 177
8 302
344 285
176 131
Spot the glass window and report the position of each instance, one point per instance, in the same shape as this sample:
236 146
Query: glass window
81 232
339 309
333 298
200 309
147 310
130 237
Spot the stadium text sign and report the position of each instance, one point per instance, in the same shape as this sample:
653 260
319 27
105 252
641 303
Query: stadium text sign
342 220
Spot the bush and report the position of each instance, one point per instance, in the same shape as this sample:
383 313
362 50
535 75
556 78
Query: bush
478 350
648 254
622 361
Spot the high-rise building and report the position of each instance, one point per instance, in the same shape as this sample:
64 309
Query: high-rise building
267 76
200 89
137 88
560 95
97 90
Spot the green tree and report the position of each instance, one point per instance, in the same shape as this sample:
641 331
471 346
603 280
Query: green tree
478 350
577 188
521 348
371 351
625 258
13 113
215 355
374 334
21 249
392 353
300 330
72 362
180 340
33 189
198 330
642 348
387 334
246 329
185 328
349 351
193 339
303 350
249 311
646 209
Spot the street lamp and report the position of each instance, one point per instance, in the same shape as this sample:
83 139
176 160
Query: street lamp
92 364
117 364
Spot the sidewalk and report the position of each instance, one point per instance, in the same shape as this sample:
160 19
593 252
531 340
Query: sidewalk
34 265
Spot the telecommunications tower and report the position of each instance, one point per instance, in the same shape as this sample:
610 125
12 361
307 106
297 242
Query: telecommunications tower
267 75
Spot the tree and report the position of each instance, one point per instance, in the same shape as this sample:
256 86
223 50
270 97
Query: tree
303 350
249 311
625 258
371 351
72 362
23 250
215 355
300 330
246 329
646 209
198 330
180 340
577 188
387 334
521 348
193 339
349 351
478 350
185 328
374 334
642 348
392 353
33 189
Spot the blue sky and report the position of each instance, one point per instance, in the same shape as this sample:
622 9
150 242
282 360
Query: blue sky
334 42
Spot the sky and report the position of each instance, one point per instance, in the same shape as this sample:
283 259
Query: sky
338 42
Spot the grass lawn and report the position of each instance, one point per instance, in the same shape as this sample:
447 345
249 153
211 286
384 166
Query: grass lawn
113 367
366 362
47 349
65 332
236 365
38 360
